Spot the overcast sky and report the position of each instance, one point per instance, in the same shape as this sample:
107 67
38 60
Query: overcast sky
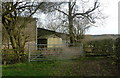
110 26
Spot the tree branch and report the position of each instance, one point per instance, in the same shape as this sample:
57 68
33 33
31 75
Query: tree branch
73 4
13 8
38 6
89 11
61 11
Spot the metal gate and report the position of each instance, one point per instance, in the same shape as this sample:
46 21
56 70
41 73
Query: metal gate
45 52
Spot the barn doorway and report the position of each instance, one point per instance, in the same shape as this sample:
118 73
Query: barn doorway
42 41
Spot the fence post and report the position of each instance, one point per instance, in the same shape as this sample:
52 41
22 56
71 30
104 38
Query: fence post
28 52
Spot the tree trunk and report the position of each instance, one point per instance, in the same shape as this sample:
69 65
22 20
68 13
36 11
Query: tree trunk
17 45
71 31
70 18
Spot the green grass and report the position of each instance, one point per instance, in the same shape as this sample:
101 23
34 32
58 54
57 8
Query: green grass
89 66
47 68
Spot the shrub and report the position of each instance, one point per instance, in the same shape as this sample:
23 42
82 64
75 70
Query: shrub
117 52
104 46
10 57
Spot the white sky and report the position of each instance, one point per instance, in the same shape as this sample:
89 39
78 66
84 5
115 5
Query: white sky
110 26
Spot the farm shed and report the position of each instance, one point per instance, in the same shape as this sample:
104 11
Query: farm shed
50 41
51 38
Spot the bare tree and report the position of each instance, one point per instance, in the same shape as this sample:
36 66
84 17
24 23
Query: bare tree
56 23
77 11
12 24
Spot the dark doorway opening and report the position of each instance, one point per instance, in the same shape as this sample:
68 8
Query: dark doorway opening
42 43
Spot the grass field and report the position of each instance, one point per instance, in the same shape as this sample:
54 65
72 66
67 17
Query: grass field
89 66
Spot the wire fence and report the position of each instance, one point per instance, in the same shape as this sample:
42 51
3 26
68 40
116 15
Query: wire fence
46 52
42 52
